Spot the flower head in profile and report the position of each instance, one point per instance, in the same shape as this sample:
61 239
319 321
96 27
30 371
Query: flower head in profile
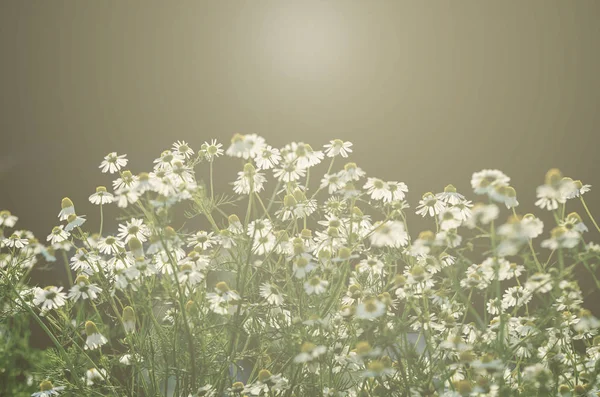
83 289
101 196
245 146
555 190
483 182
58 235
47 389
430 205
95 339
249 180
308 352
337 147
113 162
7 219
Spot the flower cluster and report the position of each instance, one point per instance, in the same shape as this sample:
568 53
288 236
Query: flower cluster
286 287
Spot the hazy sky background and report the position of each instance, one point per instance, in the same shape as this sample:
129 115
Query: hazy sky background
428 91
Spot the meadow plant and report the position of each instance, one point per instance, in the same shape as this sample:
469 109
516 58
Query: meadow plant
303 280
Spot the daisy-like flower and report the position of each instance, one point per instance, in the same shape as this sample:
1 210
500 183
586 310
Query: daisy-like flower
332 182
308 352
504 194
49 298
125 196
58 235
133 228
266 384
515 296
83 289
15 241
555 190
450 195
561 237
74 221
573 222
183 149
94 338
315 285
245 146
167 159
271 293
579 188
370 308
101 196
93 375
249 180
351 172
397 189
482 214
337 147
389 234
202 239
431 205
47 389
66 208
110 245
7 219
484 181
128 319
113 162
378 189
222 298
212 150
289 172
302 154
302 265
450 218
268 157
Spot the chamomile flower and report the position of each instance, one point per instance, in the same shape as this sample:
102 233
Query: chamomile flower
93 375
245 146
271 293
431 205
66 208
556 190
484 181
58 235
47 389
125 196
113 162
303 155
450 218
7 219
561 237
14 241
337 147
94 338
370 308
167 159
351 172
289 172
133 228
128 319
183 149
74 222
212 150
398 190
302 265
378 189
573 222
315 285
389 234
249 180
101 196
49 298
450 195
482 214
333 182
268 157
83 289
110 245
308 352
